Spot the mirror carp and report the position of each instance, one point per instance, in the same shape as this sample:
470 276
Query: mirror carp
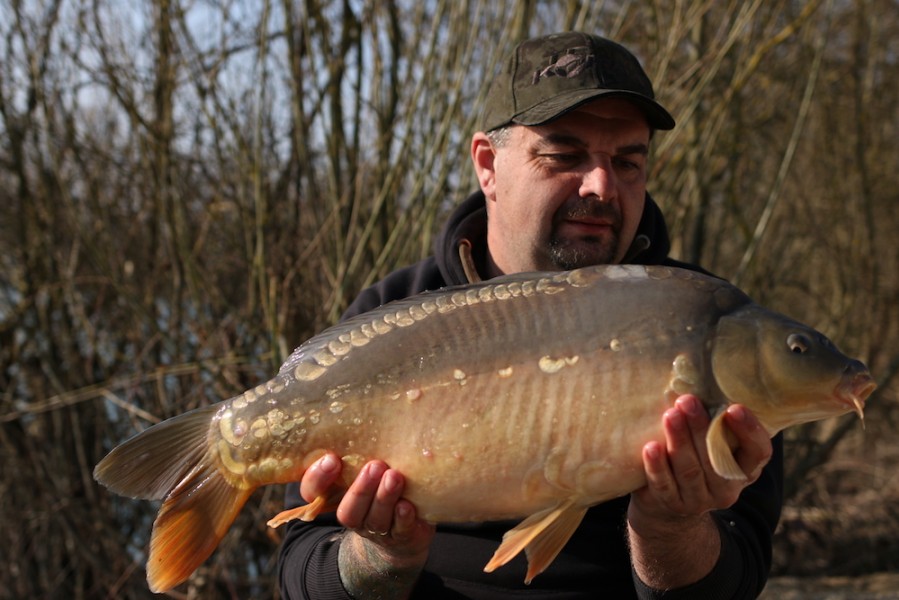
528 396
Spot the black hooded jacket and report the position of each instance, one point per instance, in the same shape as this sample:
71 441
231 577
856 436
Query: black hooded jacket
595 563
468 223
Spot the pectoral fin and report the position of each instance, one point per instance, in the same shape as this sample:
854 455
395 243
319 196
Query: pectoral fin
542 536
719 443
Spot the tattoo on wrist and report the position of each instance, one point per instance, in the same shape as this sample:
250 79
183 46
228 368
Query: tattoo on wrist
367 574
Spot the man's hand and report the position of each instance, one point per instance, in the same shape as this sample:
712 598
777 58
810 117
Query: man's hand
386 545
674 540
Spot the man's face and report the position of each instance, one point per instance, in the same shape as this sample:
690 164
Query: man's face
569 193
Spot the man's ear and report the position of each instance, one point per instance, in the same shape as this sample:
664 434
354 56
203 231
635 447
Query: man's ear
483 156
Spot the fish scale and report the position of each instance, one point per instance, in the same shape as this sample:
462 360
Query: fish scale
529 396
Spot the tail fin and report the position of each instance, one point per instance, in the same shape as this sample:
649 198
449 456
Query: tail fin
152 463
171 460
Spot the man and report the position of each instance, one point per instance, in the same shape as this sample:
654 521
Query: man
561 163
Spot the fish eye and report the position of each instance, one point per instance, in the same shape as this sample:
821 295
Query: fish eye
798 343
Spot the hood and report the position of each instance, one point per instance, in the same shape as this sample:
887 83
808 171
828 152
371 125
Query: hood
468 222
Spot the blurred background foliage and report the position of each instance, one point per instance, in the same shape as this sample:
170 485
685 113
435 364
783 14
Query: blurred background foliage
191 188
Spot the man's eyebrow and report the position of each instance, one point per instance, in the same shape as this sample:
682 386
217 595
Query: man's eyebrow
561 139
634 149
565 139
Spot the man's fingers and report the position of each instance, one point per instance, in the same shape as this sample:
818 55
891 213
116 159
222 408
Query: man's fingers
356 503
680 479
319 478
658 472
380 517
685 426
405 523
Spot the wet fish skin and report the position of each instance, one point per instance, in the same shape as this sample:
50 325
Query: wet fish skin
549 384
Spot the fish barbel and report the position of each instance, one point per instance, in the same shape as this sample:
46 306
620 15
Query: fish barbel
528 396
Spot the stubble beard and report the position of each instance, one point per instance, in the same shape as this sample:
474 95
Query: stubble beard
584 252
574 253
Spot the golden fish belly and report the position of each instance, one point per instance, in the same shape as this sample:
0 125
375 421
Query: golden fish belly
526 449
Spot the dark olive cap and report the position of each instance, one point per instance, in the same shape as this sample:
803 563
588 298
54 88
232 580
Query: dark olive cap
548 76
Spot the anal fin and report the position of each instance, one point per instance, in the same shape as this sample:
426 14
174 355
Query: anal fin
192 521
542 536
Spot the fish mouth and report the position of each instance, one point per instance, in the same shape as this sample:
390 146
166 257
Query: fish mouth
854 392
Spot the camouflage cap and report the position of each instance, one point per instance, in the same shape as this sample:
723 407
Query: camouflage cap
548 76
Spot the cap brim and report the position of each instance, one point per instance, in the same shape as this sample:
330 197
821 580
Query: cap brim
540 114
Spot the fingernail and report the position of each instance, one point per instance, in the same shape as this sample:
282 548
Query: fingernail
675 418
328 463
391 481
375 470
690 406
741 416
738 413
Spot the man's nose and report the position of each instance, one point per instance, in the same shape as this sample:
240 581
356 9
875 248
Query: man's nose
599 181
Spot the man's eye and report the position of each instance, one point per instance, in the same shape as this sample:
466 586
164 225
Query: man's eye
562 157
627 164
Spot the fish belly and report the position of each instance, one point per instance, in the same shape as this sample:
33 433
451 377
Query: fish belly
512 440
